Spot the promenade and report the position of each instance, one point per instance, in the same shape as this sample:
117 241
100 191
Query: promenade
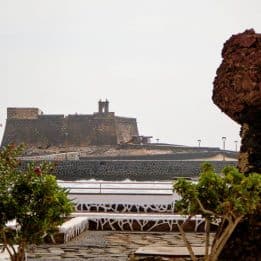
111 245
104 245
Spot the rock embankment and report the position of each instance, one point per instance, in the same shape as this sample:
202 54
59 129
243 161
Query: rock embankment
237 92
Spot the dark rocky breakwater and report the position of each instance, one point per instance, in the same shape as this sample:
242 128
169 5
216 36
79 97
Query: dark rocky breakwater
140 170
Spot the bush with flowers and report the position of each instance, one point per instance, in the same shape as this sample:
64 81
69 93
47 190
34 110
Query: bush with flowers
32 199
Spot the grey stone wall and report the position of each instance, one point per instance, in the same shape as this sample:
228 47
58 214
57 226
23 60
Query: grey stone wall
126 128
92 130
23 113
44 131
37 132
140 170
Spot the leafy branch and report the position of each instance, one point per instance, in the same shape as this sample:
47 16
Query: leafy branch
225 198
32 198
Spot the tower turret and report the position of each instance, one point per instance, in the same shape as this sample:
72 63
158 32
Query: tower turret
103 106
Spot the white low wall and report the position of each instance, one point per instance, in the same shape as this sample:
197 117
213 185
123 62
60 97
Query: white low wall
140 194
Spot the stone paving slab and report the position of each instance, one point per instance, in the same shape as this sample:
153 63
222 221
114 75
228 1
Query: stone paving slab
110 245
169 251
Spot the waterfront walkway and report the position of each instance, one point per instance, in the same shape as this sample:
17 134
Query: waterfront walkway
111 245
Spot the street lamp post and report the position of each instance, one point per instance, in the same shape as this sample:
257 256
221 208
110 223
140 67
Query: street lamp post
199 141
236 145
224 147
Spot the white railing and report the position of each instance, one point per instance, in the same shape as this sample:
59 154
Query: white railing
106 187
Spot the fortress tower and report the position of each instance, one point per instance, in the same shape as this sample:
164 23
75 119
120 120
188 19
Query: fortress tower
103 106
32 127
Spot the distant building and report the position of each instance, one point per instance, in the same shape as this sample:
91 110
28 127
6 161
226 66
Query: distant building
140 139
32 127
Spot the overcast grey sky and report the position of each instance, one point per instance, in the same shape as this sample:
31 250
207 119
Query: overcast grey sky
154 60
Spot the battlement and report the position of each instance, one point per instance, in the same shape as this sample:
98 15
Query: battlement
23 113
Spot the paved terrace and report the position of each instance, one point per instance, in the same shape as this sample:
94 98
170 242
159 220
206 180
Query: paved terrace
111 246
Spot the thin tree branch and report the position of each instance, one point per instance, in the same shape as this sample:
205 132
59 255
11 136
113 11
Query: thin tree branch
183 235
207 238
219 231
6 245
205 210
222 237
230 231
185 222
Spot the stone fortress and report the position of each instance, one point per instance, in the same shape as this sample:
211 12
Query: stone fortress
104 146
32 127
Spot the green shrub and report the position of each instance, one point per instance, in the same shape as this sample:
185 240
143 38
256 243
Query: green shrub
32 198
226 198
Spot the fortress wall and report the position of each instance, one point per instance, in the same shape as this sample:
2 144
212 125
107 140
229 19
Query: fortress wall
49 128
89 130
105 132
41 132
53 117
30 126
134 170
126 128
23 113
79 130
57 130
